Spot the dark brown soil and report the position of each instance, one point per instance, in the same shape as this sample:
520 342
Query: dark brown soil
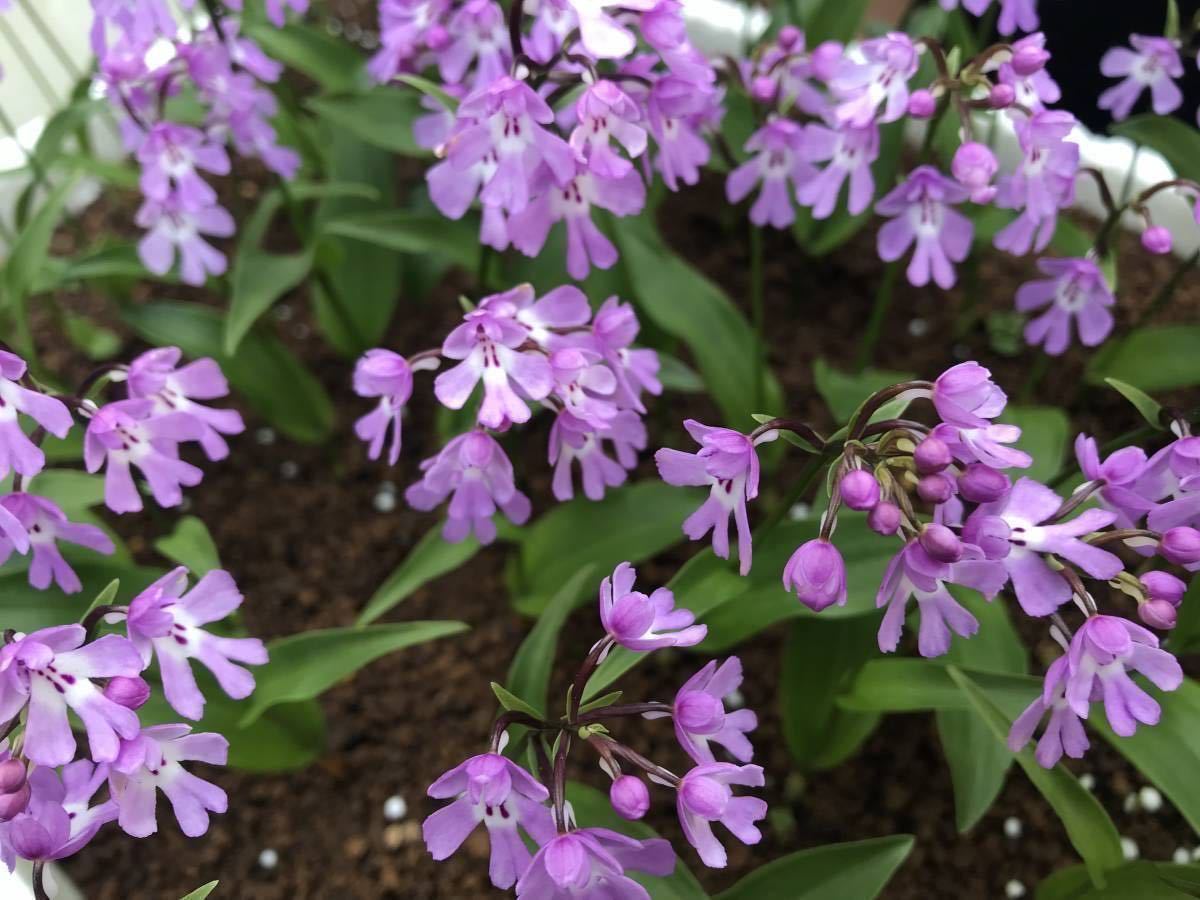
298 528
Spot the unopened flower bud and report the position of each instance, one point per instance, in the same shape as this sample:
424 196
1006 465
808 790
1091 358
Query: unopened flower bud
932 456
826 59
921 104
980 483
1181 546
817 573
1028 58
1163 586
132 693
630 797
884 518
974 166
1157 614
790 36
935 488
763 88
14 803
1157 239
859 489
941 543
12 775
437 37
1002 96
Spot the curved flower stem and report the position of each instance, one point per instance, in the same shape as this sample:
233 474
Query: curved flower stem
628 709
873 403
515 12
1076 500
559 789
92 621
1106 197
632 756
803 429
513 717
1121 534
39 888
595 655
886 425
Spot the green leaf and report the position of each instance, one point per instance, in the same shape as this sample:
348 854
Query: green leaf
411 232
96 341
1089 828
857 870
512 702
104 598
1142 402
382 117
834 20
258 280
529 674
331 62
1171 347
843 393
429 89
304 665
900 684
722 344
1175 139
676 375
71 489
263 371
1142 880
632 522
432 557
1045 432
1185 636
593 810
190 545
201 892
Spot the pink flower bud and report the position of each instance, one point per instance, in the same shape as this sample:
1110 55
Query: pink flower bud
437 37
884 518
13 804
974 166
935 488
1164 586
763 88
981 483
859 489
132 693
1002 96
790 36
941 543
932 456
817 573
1028 59
1157 614
1181 546
1157 239
12 775
629 797
921 104
826 59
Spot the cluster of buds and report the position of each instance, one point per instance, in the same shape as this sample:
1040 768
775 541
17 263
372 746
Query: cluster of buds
144 58
551 350
143 431
48 806
574 862
562 111
945 491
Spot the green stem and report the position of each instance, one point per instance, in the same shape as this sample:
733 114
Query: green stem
485 263
758 313
1036 372
883 301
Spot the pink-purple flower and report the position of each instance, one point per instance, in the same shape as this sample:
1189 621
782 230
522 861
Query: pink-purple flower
1077 292
850 151
704 796
44 524
388 376
778 167
1042 183
921 215
816 572
17 452
591 863
640 622
701 718
1153 63
1064 731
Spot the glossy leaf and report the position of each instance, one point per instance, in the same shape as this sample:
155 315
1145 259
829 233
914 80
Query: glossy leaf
857 870
513 703
258 280
1176 364
909 684
431 557
305 665
1142 880
190 545
411 232
1045 433
844 393
1145 404
201 892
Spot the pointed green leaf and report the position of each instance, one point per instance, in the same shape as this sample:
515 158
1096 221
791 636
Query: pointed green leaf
190 545
432 557
1176 364
512 702
382 116
429 89
201 892
853 871
259 279
1145 404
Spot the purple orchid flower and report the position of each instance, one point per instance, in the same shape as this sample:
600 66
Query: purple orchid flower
1076 290
921 213
704 797
164 621
17 452
881 78
671 106
602 35
817 574
585 385
701 718
169 157
573 440
474 469
553 22
564 307
388 376
728 463
405 28
1064 731
1032 85
128 433
478 33
59 819
44 524
1153 63
174 230
779 166
850 152
1118 474
966 395
614 330
1042 183
152 761
638 622
50 671
605 112
497 792
591 863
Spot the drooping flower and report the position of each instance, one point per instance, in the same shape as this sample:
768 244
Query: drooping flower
921 213
728 463
164 621
128 433
497 792
778 165
700 715
966 395
638 622
388 376
1064 731
975 166
1039 588
564 307
45 524
704 796
17 452
881 78
474 472
1153 63
50 671
173 229
1041 185
152 761
1075 291
59 819
817 573
157 375
850 152
591 863
629 796
1118 473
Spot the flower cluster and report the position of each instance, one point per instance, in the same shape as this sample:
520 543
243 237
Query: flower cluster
524 142
511 350
48 805
142 431
517 805
144 59
947 493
